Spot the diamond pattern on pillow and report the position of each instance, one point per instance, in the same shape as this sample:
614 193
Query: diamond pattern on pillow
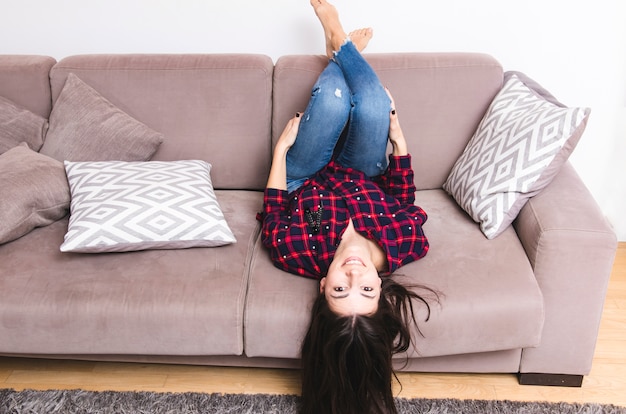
517 149
125 206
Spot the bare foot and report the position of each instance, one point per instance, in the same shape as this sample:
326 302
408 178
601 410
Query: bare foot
333 31
361 37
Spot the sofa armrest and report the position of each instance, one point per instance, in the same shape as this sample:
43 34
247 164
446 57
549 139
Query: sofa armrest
571 247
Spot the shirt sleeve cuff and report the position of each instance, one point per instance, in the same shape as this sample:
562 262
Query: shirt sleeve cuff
399 162
274 198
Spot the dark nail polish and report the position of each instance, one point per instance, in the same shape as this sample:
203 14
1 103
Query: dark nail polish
393 112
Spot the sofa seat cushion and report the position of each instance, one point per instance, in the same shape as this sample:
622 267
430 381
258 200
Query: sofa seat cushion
489 298
154 302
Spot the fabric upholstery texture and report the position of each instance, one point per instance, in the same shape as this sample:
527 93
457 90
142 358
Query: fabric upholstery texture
127 206
33 192
19 125
203 104
25 81
84 126
518 148
566 254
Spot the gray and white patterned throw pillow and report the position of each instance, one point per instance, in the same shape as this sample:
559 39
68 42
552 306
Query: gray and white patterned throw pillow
516 151
125 206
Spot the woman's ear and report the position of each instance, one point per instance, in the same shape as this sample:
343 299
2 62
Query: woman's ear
322 284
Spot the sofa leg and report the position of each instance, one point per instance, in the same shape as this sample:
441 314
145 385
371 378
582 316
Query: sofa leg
559 380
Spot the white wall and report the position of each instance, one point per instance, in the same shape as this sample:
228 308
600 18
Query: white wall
575 48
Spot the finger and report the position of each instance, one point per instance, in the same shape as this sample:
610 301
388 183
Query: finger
295 121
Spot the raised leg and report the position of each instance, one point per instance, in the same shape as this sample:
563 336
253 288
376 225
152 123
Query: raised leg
321 125
368 127
365 148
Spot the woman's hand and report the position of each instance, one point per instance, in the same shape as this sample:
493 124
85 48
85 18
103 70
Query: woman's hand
288 137
278 172
396 137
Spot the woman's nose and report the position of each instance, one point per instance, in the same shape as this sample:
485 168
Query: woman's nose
354 271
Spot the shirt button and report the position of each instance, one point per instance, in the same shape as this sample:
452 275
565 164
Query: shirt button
358 198
393 215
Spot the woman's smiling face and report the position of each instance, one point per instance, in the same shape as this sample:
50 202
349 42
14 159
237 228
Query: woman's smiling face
352 285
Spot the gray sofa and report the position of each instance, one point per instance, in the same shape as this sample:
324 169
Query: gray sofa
528 301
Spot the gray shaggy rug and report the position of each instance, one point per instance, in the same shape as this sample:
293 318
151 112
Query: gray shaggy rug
88 402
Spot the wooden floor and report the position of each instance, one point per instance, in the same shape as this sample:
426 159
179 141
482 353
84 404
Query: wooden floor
606 383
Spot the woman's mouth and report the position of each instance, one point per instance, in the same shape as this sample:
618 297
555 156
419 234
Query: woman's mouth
353 261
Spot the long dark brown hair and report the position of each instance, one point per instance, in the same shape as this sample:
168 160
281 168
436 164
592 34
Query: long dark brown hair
347 360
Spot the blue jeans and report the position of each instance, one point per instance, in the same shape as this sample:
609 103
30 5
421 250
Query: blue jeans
347 95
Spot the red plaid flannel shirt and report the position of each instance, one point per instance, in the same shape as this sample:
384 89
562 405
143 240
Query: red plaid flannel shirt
382 210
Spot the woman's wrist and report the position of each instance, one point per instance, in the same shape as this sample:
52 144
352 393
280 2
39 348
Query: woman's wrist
278 171
399 147
281 149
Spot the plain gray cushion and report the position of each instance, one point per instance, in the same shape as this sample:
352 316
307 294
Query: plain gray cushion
19 125
84 126
33 192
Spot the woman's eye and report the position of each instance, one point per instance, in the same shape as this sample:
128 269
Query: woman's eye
368 289
339 289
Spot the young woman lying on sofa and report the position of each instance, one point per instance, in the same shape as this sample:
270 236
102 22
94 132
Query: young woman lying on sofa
337 210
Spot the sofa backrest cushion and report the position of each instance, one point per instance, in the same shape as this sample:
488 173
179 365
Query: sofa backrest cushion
24 80
215 108
440 98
